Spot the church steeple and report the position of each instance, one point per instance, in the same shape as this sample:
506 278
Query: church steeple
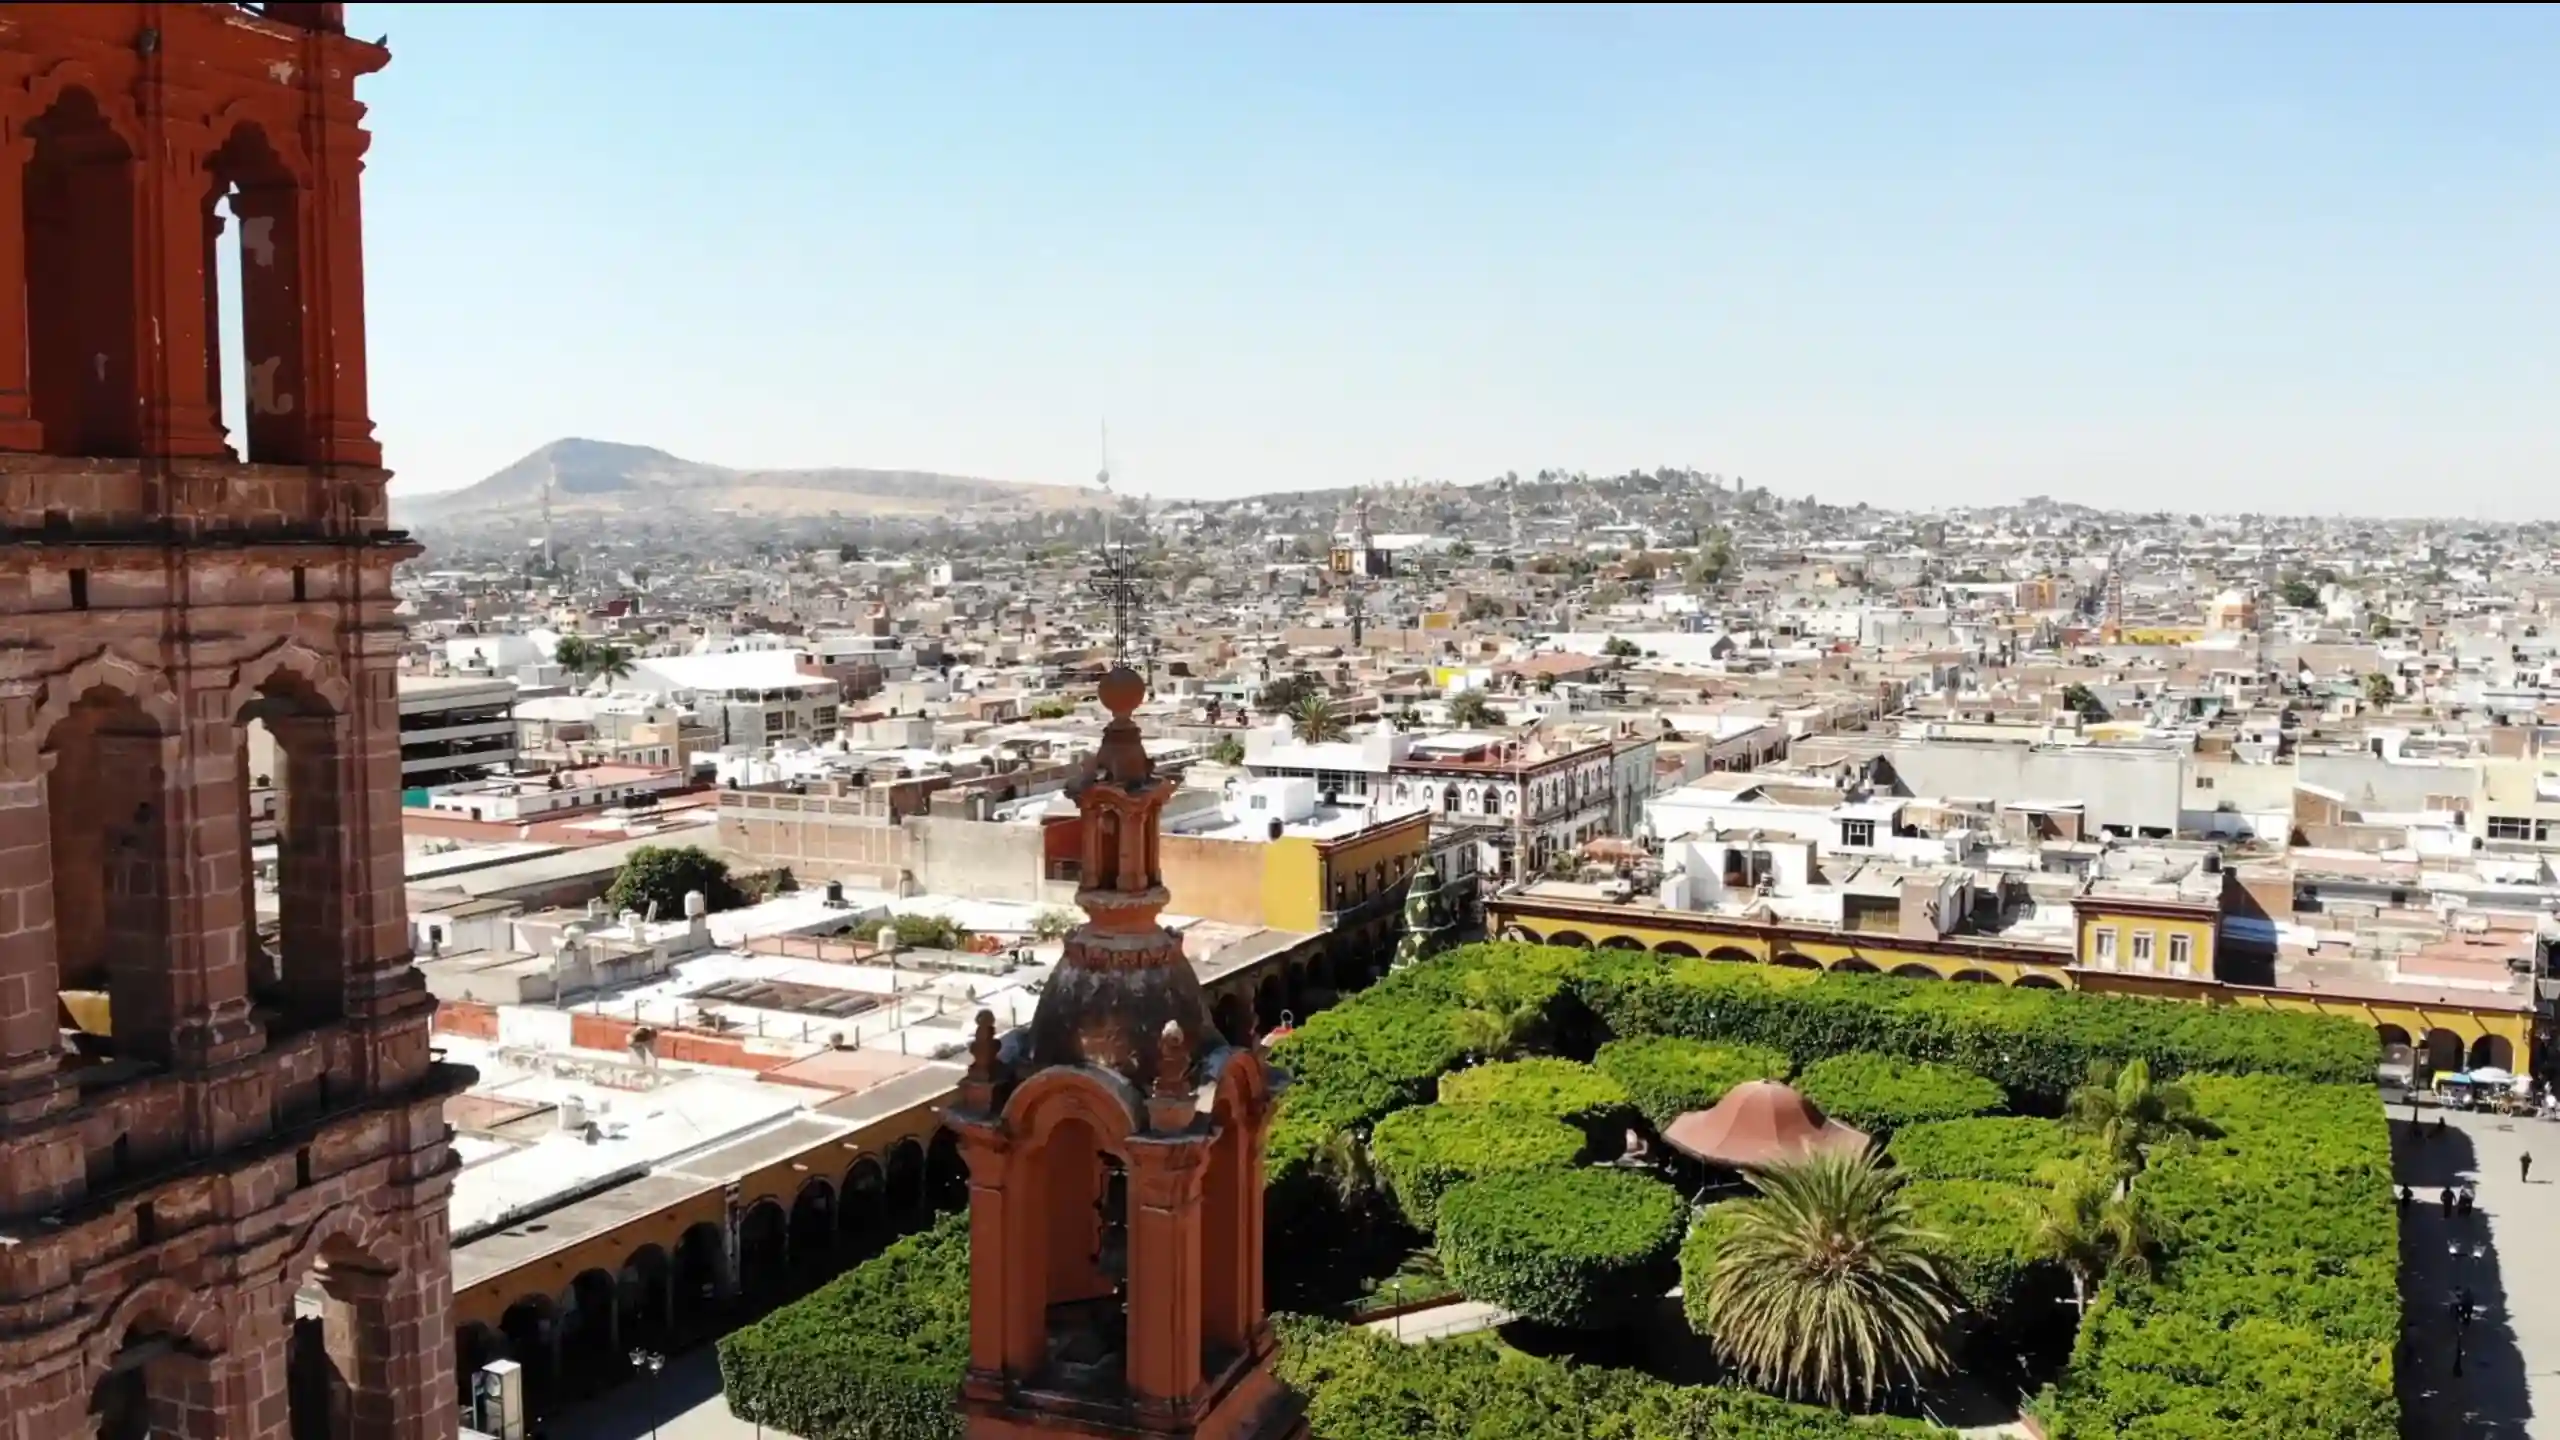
1115 1168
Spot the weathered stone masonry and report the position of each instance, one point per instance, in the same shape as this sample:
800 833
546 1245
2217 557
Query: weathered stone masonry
257 1115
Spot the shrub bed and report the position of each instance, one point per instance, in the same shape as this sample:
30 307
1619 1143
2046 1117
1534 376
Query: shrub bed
1563 1247
1707 1230
2275 1305
1881 1092
1578 1095
874 1354
1361 1385
1985 1235
2036 1041
1667 1076
2012 1149
1423 1151
1385 1048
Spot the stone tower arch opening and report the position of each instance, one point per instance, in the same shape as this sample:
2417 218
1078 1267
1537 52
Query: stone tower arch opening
78 385
109 838
290 768
253 301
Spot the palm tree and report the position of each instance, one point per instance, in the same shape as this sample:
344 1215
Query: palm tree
571 653
1471 711
1343 1163
2129 1113
1313 719
1490 1031
611 663
2092 1226
1825 1288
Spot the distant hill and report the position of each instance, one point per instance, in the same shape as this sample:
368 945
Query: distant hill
599 477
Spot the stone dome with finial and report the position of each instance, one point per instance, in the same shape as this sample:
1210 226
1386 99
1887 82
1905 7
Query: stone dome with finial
1123 982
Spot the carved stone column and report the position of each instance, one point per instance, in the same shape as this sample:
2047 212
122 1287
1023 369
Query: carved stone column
1164 1271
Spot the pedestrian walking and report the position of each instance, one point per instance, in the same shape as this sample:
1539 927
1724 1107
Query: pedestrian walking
2462 1203
2524 1168
2406 1195
2448 1202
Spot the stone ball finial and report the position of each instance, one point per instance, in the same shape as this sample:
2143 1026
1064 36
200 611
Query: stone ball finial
1173 1062
984 1051
1122 691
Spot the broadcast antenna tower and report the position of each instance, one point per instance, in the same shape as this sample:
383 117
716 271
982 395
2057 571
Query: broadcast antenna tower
1119 580
550 478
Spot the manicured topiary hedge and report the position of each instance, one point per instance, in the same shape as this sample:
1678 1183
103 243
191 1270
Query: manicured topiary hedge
1361 1385
2011 1149
1708 1228
2036 1041
1667 1076
1562 1247
1387 1047
1423 1151
874 1354
1985 1234
2275 1306
1578 1095
1880 1092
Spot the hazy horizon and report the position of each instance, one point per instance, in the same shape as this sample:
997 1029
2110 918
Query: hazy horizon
2285 260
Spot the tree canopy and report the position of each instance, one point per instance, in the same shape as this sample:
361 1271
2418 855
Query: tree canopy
660 875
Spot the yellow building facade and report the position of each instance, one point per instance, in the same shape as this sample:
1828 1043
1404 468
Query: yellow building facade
2493 1030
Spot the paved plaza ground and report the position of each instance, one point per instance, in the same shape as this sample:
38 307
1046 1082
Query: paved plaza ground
683 1403
2510 1385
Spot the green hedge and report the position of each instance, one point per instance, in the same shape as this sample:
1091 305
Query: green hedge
1361 1385
2276 1305
1385 1048
2012 1149
874 1354
1986 1235
1578 1095
1563 1247
2037 1041
1423 1151
1667 1076
1708 1228
1881 1092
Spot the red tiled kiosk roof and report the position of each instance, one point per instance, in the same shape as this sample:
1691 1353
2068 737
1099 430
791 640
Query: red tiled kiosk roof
1760 1122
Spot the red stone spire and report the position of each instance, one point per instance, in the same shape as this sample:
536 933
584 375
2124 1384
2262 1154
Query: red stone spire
1115 1169
1124 977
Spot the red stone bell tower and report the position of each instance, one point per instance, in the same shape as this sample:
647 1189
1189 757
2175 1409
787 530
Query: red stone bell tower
198 1118
1115 1169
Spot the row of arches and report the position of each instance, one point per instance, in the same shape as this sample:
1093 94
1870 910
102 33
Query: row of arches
167 1361
2444 1052
1789 959
578 1342
114 754
87 381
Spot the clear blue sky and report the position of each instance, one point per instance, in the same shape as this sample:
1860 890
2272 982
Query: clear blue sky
2291 259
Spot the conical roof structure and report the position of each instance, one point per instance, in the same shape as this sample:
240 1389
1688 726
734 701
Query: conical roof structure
1759 1122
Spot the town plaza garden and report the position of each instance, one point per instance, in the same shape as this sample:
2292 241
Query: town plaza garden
2141 1220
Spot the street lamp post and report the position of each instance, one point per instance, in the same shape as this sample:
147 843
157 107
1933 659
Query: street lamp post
651 1362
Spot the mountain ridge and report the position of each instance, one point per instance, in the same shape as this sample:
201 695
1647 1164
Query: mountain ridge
608 477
